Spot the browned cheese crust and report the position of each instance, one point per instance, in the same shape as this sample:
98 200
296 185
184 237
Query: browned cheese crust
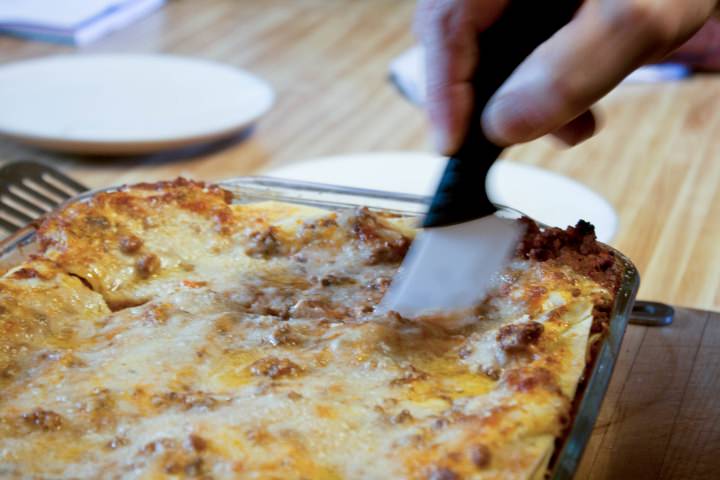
165 331
578 248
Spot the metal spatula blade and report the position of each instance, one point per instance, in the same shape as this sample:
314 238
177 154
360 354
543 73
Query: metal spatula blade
464 245
452 267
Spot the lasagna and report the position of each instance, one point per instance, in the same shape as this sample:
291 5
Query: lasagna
165 331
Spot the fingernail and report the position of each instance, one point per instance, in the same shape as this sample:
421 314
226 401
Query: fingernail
499 113
507 120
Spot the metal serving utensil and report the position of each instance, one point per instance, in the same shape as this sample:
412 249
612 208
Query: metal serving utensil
29 190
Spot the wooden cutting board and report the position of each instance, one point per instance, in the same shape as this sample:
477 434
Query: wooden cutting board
661 414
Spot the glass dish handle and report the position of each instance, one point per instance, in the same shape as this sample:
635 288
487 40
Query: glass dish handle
651 314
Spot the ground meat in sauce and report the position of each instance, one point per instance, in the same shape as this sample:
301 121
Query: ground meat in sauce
519 337
283 335
117 442
383 244
147 265
177 459
159 445
45 420
527 379
101 408
442 473
197 443
480 455
182 463
98 222
264 244
186 400
379 284
318 308
130 244
264 301
404 416
601 316
332 279
9 371
274 367
26 273
409 375
576 247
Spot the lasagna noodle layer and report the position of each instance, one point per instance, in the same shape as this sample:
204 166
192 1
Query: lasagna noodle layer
164 332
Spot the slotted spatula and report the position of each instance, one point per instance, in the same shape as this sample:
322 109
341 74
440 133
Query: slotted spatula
29 190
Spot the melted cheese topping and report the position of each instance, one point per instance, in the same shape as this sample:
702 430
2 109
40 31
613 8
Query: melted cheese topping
167 332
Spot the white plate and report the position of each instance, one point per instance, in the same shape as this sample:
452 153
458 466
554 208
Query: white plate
126 104
544 195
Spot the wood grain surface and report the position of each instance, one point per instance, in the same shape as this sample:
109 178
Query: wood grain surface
657 158
661 415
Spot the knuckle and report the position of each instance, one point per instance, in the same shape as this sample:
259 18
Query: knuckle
516 117
650 19
568 93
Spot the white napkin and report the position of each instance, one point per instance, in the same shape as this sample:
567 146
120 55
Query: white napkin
70 21
407 72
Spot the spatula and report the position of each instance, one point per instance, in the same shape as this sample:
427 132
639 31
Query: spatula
465 242
29 190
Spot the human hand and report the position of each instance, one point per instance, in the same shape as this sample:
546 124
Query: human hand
553 89
702 51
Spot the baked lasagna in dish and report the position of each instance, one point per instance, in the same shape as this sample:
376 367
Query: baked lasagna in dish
163 330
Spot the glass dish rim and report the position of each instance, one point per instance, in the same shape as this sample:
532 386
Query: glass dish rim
567 456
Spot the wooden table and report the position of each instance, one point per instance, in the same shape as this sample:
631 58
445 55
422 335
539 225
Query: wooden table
657 160
661 414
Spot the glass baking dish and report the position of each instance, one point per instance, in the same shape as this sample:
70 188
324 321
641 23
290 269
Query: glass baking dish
569 451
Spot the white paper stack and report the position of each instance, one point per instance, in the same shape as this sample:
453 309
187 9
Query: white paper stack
70 21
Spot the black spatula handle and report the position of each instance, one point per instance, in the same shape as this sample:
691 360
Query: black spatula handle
523 26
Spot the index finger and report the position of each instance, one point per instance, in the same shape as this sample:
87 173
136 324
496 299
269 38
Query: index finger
583 61
449 31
